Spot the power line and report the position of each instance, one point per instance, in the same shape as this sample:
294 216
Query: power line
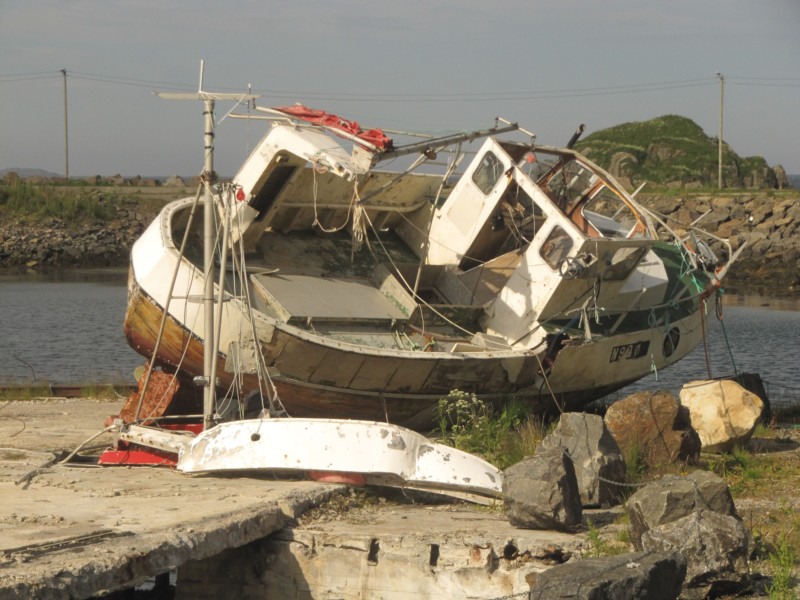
28 77
466 97
128 81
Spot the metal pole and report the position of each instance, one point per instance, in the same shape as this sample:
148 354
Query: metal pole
721 96
66 129
209 354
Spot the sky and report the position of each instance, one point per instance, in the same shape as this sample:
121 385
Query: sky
432 66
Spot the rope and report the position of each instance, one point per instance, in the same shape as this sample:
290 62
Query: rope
405 283
547 383
167 303
725 331
270 392
320 169
705 339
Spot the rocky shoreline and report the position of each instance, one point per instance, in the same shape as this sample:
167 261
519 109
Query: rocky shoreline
54 243
768 225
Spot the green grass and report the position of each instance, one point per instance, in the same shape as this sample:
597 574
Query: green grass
503 434
102 392
598 544
668 149
74 205
28 392
782 560
77 204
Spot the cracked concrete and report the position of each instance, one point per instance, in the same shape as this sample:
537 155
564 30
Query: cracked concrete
75 531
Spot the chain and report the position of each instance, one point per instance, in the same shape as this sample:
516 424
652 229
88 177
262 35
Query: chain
517 595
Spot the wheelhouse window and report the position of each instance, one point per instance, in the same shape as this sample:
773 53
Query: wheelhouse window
488 172
609 214
569 184
556 247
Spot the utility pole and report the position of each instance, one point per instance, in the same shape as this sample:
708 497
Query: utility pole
66 129
721 96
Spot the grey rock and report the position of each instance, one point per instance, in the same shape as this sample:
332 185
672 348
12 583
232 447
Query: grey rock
596 456
541 492
673 498
651 575
715 547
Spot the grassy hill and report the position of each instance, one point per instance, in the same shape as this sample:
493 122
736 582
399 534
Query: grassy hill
674 151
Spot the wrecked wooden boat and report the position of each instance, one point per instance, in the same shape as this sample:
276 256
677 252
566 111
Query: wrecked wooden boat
344 289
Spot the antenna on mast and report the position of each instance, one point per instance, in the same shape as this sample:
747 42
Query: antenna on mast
208 178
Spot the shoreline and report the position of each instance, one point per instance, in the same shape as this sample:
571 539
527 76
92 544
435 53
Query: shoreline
748 298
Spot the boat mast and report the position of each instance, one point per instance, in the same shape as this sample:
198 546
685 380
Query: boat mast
209 177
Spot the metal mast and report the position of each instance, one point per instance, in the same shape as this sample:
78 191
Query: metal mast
719 144
209 178
66 129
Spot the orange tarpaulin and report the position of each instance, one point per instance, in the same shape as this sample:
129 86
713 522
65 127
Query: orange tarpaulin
375 137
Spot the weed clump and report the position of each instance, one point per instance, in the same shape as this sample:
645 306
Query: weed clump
503 435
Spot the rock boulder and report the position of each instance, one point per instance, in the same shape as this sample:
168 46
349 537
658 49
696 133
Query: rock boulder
715 548
653 427
652 575
673 498
541 492
596 456
723 413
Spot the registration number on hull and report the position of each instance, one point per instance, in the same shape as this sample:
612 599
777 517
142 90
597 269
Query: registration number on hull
629 351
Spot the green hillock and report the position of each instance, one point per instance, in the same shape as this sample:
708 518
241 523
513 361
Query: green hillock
673 151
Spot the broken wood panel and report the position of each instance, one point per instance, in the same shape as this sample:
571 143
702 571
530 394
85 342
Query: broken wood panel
299 359
338 369
411 375
271 350
375 374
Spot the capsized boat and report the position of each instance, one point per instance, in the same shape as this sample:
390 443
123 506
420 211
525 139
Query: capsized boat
361 292
327 450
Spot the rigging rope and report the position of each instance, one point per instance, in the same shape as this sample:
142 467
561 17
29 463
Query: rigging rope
705 339
724 331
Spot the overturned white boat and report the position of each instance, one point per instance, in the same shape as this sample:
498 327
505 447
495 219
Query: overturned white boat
362 293
329 450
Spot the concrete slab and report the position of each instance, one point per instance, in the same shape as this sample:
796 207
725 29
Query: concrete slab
75 531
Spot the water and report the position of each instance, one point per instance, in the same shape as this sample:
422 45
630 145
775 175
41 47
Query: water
760 339
66 327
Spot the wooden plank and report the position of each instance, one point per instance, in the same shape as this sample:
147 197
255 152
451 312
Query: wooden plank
338 369
299 359
375 374
411 375
327 298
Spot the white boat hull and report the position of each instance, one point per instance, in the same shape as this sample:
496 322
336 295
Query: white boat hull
381 453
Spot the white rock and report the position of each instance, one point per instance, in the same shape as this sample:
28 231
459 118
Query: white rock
722 412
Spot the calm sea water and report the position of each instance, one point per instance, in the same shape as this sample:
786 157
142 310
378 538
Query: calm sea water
748 339
66 327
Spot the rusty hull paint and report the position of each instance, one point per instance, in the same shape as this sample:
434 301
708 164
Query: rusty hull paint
142 320
404 392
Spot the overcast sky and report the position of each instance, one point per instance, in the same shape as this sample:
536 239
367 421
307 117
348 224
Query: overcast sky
433 65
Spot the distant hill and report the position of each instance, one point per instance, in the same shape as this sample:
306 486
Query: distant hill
794 180
23 172
674 151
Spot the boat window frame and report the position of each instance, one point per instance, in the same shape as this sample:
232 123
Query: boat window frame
554 259
494 172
